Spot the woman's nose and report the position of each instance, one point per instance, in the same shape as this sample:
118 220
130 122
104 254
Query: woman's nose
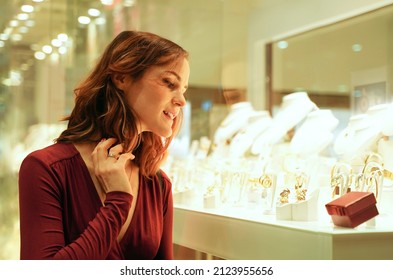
179 100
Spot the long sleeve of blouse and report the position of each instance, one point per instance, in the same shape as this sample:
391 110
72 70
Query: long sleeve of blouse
62 216
43 211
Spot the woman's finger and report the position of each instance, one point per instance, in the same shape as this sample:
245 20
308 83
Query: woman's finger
115 151
103 147
123 158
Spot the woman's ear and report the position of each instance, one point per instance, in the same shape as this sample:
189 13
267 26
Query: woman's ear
119 80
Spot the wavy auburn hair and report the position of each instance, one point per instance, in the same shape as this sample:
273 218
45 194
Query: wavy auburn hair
101 110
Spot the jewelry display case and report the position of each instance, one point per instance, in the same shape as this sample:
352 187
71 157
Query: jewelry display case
244 226
246 234
271 205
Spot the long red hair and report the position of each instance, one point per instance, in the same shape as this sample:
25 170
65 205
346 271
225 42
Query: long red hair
101 110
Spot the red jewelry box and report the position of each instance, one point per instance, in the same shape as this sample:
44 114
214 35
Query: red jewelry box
352 209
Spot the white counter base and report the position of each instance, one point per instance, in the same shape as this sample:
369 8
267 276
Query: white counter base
243 234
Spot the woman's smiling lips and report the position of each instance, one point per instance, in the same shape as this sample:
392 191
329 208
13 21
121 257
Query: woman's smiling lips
171 115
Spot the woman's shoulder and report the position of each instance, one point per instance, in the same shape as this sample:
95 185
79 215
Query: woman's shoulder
53 153
164 180
161 173
160 181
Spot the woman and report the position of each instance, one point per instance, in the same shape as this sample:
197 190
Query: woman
98 192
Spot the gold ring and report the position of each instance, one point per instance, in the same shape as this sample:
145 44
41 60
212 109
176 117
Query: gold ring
265 181
111 155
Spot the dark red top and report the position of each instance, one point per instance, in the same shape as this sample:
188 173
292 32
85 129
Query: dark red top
62 217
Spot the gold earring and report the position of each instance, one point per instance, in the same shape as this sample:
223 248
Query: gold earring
284 196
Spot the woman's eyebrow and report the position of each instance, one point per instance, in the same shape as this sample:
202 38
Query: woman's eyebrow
174 73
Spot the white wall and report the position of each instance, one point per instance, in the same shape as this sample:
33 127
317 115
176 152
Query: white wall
275 19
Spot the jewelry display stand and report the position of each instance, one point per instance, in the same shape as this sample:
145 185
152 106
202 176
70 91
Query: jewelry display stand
284 212
357 138
379 114
301 210
306 210
262 192
237 118
212 199
259 122
293 110
315 134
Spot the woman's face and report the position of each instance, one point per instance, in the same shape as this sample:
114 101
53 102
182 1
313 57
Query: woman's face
158 96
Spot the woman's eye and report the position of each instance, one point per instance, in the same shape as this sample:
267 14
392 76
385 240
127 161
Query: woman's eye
169 83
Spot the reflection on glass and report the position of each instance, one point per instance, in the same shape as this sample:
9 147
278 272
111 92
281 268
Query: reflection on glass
344 65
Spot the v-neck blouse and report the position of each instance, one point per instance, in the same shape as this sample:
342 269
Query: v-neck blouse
62 217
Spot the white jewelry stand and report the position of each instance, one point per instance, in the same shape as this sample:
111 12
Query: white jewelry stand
243 140
294 109
236 119
357 138
315 134
386 124
378 114
306 210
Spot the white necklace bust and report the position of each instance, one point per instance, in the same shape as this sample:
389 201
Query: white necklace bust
236 119
315 134
293 109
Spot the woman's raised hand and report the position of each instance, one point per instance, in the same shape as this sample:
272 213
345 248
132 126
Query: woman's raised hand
112 166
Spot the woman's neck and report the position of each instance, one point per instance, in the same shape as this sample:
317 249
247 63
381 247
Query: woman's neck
85 149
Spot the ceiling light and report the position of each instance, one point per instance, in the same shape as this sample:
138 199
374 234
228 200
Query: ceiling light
47 49
357 47
4 37
62 37
282 44
94 12
14 23
62 50
27 8
107 2
129 3
83 20
56 43
39 55
38 1
22 16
